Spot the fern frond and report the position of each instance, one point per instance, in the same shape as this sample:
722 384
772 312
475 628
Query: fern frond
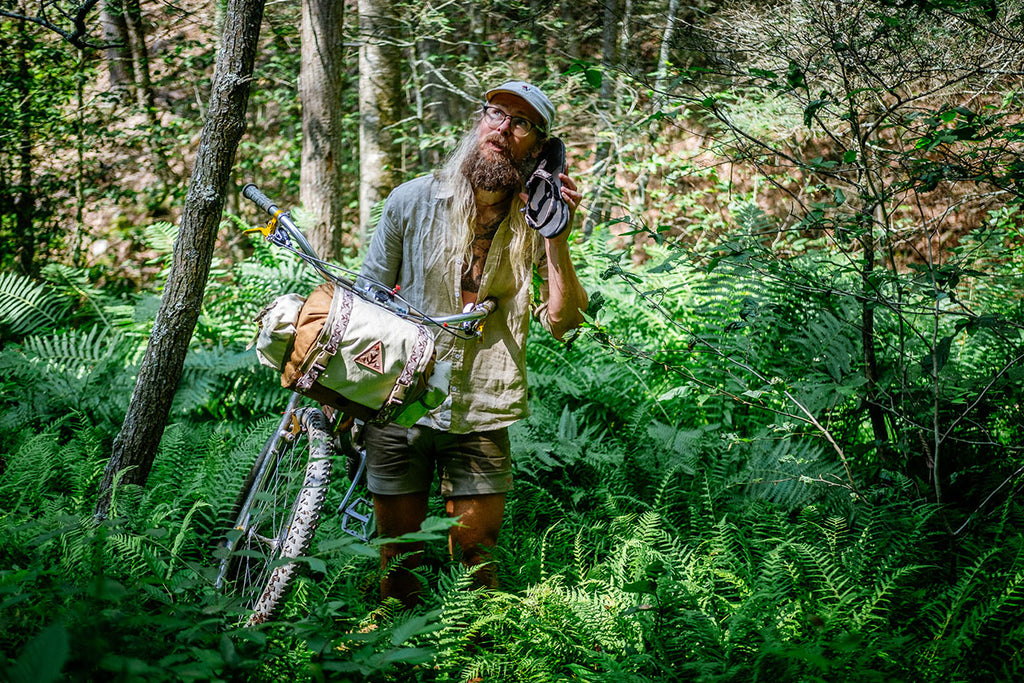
944 610
203 375
76 353
875 609
75 371
80 549
27 471
160 236
27 306
222 474
820 577
77 284
788 472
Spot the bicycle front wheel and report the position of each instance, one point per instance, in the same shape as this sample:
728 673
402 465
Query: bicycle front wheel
278 512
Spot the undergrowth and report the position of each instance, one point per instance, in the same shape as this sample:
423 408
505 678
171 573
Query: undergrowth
662 527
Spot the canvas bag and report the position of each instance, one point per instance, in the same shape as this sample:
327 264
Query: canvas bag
343 351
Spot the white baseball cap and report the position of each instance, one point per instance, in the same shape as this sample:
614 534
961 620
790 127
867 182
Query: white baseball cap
533 96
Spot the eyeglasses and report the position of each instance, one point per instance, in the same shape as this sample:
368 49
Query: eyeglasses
521 127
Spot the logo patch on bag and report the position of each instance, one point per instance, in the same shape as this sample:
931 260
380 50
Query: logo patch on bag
372 358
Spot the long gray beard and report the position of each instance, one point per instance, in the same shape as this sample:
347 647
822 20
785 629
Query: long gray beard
495 175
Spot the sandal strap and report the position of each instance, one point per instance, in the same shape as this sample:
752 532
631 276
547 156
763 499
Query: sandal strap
545 211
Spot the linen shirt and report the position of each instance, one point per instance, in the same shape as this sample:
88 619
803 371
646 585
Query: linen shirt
488 378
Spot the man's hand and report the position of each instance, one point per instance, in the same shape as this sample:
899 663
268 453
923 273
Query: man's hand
571 196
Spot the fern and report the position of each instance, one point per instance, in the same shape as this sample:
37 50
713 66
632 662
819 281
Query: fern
876 608
976 621
76 353
28 470
27 306
788 472
72 371
538 635
92 302
128 553
79 550
204 375
160 236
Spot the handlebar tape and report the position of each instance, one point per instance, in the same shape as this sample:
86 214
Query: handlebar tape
253 193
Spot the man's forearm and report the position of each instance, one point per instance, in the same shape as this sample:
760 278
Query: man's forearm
566 297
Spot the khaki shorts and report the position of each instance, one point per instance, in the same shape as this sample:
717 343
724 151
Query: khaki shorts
401 461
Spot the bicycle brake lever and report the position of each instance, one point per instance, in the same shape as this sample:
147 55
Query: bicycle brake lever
270 228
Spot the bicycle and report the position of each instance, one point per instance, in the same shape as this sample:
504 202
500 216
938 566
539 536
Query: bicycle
280 503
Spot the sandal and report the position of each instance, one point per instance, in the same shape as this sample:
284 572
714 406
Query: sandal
546 212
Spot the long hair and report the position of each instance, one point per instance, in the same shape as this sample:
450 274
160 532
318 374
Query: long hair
458 247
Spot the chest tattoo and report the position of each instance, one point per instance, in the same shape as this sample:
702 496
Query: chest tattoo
474 270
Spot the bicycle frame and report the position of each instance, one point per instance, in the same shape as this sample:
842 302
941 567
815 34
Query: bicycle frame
354 510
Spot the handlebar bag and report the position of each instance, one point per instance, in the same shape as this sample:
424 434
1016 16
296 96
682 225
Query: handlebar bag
344 351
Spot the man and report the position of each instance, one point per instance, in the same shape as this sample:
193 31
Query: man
448 240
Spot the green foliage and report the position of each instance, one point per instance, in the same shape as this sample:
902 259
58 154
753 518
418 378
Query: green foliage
26 305
38 79
717 482
78 345
658 530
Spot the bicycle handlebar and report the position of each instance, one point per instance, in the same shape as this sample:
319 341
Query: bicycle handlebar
467 320
253 193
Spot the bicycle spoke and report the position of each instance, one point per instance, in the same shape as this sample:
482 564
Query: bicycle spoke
279 513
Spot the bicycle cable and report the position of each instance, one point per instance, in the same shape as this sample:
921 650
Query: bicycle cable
282 240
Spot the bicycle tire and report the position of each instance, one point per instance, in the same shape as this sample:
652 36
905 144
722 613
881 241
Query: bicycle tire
278 513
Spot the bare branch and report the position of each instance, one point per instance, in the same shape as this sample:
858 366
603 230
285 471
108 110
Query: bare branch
77 35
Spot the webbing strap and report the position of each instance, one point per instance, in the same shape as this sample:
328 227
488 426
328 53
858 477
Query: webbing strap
330 337
405 380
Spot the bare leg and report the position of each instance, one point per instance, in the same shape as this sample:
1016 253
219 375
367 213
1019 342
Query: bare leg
480 517
397 515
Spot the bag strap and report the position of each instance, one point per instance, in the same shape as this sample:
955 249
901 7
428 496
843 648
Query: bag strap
405 380
330 337
327 344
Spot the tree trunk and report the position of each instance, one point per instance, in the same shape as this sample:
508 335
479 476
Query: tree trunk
875 413
118 53
433 97
136 444
25 201
537 54
571 38
78 235
144 91
661 79
623 57
380 88
320 92
603 173
436 95
140 54
475 53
